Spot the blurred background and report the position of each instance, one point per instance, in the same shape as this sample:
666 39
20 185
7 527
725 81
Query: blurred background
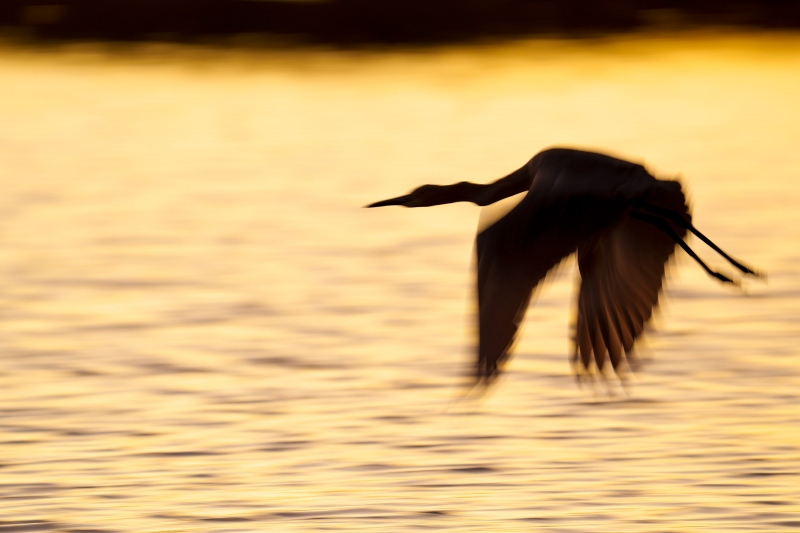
358 22
201 329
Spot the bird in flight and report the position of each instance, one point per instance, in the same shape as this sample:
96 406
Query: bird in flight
622 222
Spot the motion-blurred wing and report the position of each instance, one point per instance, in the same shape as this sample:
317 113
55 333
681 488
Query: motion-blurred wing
622 270
514 255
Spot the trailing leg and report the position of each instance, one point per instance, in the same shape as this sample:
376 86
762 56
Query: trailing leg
661 224
680 221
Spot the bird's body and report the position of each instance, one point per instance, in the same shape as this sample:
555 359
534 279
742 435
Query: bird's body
622 222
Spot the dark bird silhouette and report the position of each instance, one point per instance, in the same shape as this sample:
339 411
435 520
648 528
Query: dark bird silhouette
622 222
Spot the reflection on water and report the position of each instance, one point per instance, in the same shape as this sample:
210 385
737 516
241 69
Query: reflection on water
203 331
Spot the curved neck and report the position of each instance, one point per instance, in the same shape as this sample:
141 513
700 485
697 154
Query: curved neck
462 191
518 181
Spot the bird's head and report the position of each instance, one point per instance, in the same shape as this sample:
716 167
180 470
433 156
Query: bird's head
424 196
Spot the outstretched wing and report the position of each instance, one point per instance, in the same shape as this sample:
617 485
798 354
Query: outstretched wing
514 255
622 271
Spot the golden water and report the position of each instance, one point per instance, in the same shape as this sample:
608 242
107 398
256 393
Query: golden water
202 330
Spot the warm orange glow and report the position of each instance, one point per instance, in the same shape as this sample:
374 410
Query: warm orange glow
199 323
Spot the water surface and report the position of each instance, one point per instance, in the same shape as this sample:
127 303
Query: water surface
202 330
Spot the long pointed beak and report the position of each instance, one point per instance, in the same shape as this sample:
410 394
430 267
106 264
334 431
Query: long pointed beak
400 200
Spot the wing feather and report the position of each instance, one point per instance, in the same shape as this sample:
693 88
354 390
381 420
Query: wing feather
622 271
514 255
